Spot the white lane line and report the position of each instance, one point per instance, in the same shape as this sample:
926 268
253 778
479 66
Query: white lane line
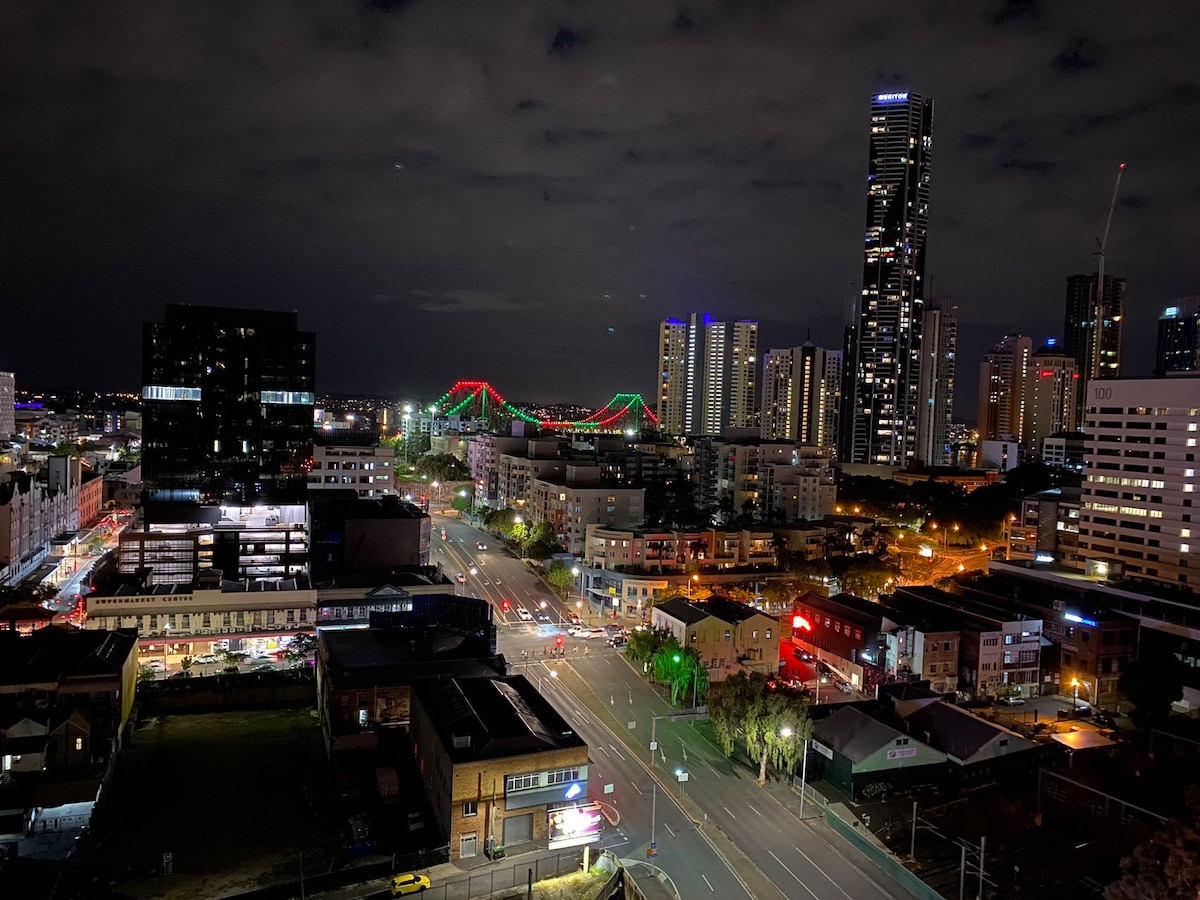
793 874
731 815
756 812
618 752
822 871
602 750
706 881
668 827
636 788
714 771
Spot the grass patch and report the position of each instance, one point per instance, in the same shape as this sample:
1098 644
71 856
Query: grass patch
233 796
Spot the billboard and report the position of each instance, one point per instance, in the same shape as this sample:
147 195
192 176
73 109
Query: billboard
574 825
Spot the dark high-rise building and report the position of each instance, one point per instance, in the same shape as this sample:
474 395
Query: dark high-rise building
939 351
228 398
1097 356
1178 347
886 377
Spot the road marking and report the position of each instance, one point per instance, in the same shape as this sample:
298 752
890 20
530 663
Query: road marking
602 750
714 771
756 812
822 871
668 827
793 874
618 752
731 815
636 788
706 881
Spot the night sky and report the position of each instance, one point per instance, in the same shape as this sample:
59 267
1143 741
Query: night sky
521 191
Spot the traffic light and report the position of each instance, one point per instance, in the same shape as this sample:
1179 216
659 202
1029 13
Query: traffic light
558 641
504 605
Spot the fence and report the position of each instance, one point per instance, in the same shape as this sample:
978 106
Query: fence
883 860
498 878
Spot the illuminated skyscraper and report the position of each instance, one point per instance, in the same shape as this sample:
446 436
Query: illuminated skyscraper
707 375
1178 347
7 398
1002 388
801 395
1079 330
887 339
939 348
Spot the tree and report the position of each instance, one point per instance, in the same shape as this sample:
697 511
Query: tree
186 663
303 645
865 575
644 644
559 575
442 467
1168 865
728 703
784 556
681 669
461 503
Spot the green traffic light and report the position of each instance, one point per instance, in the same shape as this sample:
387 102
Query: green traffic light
676 657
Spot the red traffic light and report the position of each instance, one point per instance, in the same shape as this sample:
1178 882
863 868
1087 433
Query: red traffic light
558 640
504 605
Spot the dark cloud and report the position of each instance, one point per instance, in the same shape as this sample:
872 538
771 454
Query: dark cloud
1079 54
481 189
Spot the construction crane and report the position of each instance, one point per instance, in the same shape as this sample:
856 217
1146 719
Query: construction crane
1098 309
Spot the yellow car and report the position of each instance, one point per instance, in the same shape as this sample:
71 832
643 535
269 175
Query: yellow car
410 883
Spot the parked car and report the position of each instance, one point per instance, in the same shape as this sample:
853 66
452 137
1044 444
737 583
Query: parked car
230 670
184 673
1013 701
845 688
1104 720
265 667
205 659
409 883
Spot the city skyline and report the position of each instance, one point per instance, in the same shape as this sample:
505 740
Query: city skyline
542 188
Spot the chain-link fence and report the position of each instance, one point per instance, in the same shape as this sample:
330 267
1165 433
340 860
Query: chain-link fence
497 878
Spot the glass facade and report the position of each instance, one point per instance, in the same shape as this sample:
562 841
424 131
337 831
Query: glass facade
887 339
228 406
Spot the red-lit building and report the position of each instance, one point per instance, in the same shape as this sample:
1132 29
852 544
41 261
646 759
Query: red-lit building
842 631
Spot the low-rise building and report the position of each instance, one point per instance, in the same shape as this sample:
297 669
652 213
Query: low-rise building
353 461
844 632
979 752
923 646
728 636
500 766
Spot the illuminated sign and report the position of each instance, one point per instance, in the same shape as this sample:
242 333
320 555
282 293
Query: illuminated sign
799 622
822 749
892 98
1071 617
574 825
573 791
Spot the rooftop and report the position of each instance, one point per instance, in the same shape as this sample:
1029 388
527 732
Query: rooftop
375 657
56 654
487 718
854 734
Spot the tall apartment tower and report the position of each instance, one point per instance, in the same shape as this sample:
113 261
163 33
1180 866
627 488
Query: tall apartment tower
708 375
939 346
887 339
802 395
1002 388
1138 521
228 400
8 397
1079 329
1051 386
1178 347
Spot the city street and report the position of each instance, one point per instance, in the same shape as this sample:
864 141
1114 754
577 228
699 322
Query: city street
597 691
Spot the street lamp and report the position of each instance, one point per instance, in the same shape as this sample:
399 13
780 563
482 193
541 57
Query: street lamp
553 674
1075 695
577 572
681 776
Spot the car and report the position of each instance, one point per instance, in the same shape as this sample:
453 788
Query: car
544 617
524 615
614 629
480 545
184 673
409 883
594 633
205 659
265 667
845 688
1104 720
156 664
230 670
618 643
1013 701
461 578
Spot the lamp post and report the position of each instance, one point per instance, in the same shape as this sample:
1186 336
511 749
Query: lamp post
553 674
166 637
407 416
1075 694
681 776
787 733
577 572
